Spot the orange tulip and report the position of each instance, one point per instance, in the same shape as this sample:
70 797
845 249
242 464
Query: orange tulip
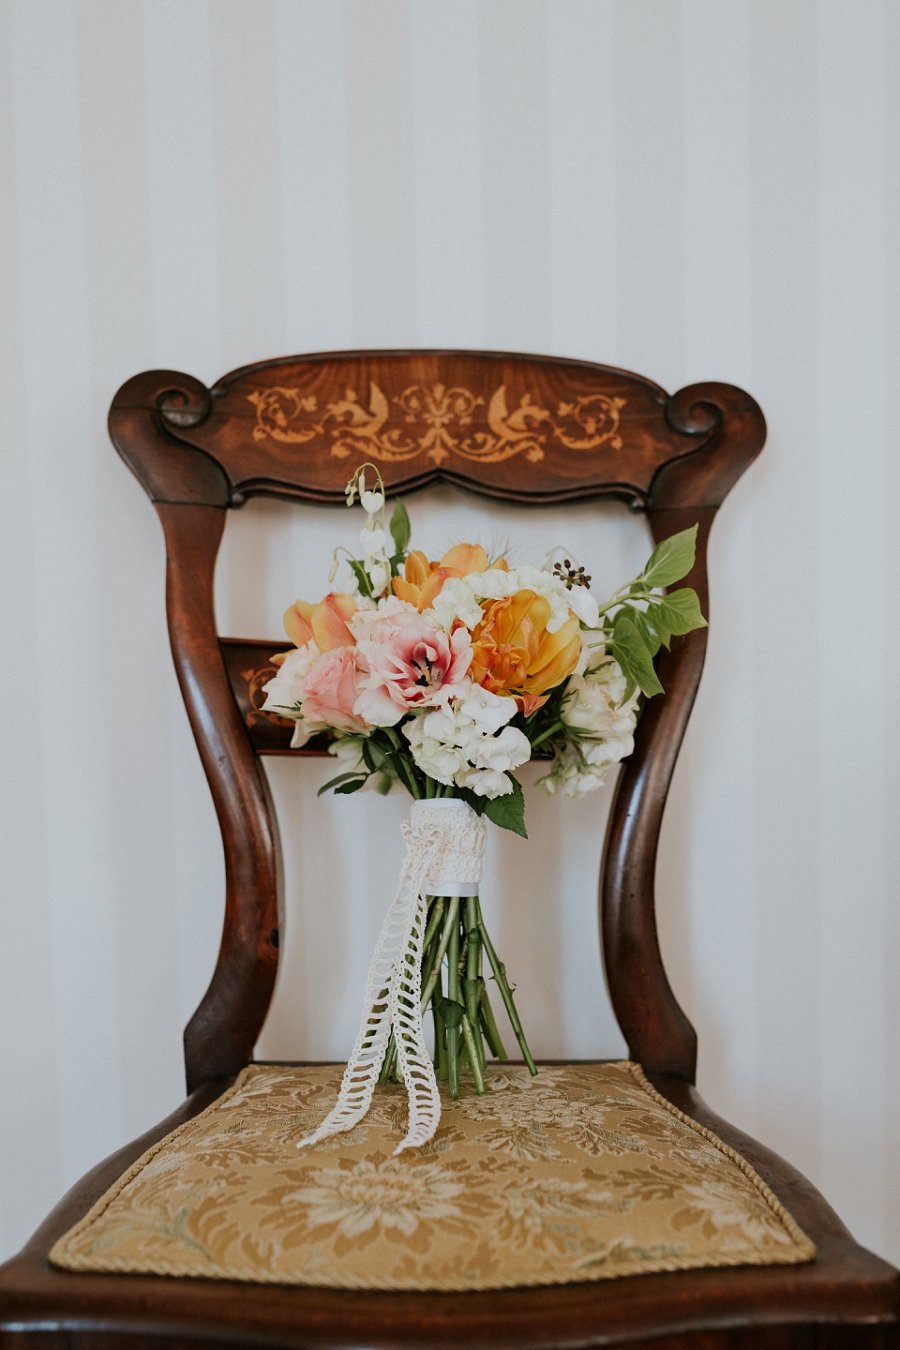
422 580
513 653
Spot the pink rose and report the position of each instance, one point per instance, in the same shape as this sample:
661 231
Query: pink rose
329 690
407 663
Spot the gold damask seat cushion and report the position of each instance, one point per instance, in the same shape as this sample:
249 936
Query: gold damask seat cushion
582 1173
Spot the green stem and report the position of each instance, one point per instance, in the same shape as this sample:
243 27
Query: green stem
472 1047
440 1046
545 735
453 995
491 1032
470 984
436 909
506 994
451 921
389 1063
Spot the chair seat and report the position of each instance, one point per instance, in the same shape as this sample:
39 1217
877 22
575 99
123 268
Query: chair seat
582 1173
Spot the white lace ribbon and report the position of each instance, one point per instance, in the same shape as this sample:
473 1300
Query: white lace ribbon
444 848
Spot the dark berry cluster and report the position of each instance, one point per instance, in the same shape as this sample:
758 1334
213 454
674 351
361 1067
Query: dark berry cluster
572 576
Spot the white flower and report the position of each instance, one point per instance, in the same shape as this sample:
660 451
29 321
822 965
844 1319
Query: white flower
487 712
370 613
592 705
348 753
378 575
458 745
372 542
507 751
372 502
485 782
594 701
282 693
585 606
460 598
456 600
436 757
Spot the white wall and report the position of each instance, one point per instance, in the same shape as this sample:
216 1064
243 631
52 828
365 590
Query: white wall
690 188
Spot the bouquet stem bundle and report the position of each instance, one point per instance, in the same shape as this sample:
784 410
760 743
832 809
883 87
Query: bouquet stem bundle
465 1029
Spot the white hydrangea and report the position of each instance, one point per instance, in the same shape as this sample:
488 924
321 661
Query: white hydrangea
459 745
594 700
593 706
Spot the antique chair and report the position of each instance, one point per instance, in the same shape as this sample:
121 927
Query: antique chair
518 429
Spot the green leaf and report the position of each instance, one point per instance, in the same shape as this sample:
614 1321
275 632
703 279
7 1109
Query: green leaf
672 559
651 632
633 655
346 788
334 782
508 811
375 756
400 528
362 577
679 611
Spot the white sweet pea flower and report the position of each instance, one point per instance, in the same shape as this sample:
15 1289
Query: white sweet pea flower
456 601
508 750
458 744
436 756
347 750
485 782
487 712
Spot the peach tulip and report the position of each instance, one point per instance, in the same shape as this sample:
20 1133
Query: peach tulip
422 580
514 654
325 622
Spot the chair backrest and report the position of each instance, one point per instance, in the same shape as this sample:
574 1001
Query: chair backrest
521 429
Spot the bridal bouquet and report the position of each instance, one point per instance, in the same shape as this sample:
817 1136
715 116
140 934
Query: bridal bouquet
445 677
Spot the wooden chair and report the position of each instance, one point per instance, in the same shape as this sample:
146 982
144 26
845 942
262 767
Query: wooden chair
518 429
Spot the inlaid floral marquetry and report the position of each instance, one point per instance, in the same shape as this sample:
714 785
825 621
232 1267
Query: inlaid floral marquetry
255 680
437 422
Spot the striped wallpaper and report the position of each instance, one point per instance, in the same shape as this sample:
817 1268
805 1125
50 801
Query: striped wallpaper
695 189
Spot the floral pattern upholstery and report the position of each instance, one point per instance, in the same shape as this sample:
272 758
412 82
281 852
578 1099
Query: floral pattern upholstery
582 1173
